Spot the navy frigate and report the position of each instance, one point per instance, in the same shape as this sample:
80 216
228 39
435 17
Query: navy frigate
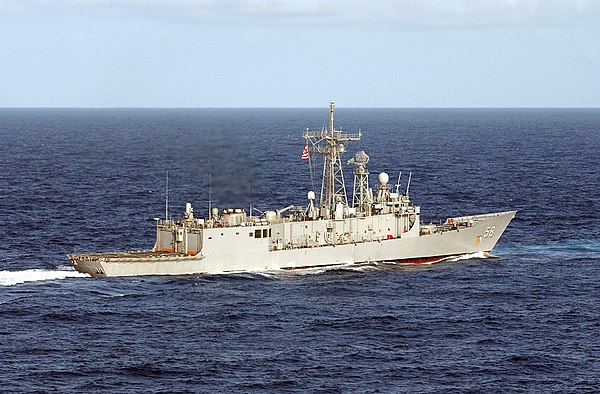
375 225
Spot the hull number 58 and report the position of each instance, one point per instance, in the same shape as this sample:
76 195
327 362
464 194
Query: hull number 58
489 232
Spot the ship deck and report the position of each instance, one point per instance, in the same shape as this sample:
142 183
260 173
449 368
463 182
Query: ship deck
131 254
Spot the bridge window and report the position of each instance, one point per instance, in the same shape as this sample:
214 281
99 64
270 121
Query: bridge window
257 233
265 233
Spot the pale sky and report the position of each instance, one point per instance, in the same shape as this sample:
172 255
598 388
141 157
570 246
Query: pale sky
299 53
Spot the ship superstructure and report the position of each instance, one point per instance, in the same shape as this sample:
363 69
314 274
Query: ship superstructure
375 225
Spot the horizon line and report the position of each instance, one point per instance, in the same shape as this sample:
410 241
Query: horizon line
297 107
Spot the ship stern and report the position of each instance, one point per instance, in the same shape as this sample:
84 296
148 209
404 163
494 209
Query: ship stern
87 265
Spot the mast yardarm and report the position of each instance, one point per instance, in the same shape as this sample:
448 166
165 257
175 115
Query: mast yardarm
329 143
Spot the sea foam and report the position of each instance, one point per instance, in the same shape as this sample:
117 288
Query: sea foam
467 256
11 278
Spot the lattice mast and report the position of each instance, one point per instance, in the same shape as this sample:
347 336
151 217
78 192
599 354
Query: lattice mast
362 197
329 144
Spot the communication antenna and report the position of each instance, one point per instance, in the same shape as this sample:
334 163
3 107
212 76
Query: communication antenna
167 197
408 185
209 195
398 183
251 177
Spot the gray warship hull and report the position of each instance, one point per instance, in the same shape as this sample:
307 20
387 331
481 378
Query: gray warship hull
377 225
426 245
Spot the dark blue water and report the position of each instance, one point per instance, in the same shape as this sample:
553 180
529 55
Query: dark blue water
86 180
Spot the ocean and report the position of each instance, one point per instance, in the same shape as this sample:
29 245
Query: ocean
524 319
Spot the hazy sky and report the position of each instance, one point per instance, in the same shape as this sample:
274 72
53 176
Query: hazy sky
255 53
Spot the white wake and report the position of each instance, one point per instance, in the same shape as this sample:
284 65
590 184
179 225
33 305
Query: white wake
476 255
328 268
11 278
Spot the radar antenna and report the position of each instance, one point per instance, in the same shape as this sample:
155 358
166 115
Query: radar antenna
361 198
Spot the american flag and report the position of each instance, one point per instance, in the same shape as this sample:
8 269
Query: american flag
305 152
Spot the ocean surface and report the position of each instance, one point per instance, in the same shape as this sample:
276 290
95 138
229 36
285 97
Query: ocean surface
524 319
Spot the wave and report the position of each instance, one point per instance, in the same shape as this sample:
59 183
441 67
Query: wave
365 267
11 278
386 265
347 267
468 256
569 248
252 275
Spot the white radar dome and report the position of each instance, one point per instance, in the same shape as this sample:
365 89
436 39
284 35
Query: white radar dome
311 195
383 178
270 215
